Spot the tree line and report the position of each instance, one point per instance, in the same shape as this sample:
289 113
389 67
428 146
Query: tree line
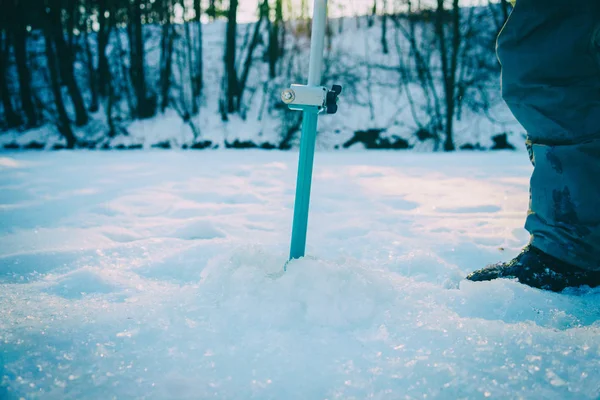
63 60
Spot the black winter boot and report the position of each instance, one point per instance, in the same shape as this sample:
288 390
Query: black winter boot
539 270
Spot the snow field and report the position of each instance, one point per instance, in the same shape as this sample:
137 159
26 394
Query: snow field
160 276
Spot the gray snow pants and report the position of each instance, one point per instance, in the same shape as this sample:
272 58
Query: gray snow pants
550 56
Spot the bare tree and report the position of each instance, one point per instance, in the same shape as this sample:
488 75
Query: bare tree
449 62
122 76
166 54
254 41
106 21
63 123
275 39
415 67
199 72
11 117
384 41
92 78
65 59
231 81
191 66
19 41
234 85
145 104
371 18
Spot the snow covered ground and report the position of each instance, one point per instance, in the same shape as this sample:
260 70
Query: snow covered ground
158 275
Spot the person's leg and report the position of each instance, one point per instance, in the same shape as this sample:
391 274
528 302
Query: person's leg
550 56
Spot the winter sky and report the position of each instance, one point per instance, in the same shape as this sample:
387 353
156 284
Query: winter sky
337 8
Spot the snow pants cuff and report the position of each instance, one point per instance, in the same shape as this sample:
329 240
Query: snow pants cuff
564 216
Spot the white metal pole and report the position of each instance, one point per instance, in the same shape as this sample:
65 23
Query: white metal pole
317 45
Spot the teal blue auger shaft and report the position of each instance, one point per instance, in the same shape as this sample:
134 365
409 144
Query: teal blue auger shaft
309 135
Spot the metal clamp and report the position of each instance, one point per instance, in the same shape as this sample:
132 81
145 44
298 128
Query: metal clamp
312 98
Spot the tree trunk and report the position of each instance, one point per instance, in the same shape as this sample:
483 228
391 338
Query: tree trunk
248 62
274 40
282 36
199 79
63 123
371 19
441 36
106 21
166 60
93 81
384 41
144 107
65 60
211 11
72 9
10 116
19 40
456 41
124 77
190 67
232 88
449 61
112 130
